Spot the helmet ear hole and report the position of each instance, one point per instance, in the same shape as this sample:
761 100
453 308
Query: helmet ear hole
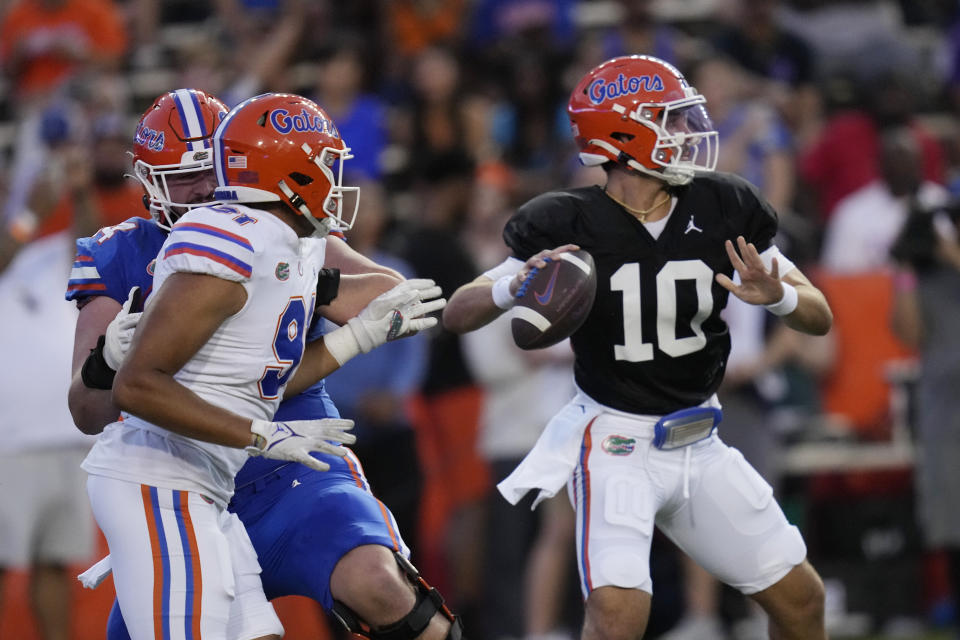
620 136
300 178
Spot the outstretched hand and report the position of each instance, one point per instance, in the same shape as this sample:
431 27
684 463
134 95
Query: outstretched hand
757 285
399 312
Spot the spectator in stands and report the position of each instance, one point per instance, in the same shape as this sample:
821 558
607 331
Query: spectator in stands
360 116
783 62
437 129
415 25
843 156
756 143
529 129
57 130
263 66
83 185
438 126
76 118
640 31
446 411
45 519
865 223
245 21
528 553
376 391
44 42
953 71
548 24
846 36
926 314
145 28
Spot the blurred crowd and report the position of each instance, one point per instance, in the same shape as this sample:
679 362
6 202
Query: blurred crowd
843 114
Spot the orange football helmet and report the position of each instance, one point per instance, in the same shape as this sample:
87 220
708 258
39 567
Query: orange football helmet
280 147
174 138
640 111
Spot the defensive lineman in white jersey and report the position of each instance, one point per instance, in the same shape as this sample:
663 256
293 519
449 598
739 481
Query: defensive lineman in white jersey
237 369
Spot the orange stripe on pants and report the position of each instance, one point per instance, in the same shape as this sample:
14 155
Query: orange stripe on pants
195 608
157 562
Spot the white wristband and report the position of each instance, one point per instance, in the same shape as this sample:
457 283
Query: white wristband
501 292
787 303
342 344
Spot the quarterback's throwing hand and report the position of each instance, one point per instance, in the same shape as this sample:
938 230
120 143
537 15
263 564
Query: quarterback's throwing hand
295 439
538 261
757 285
119 333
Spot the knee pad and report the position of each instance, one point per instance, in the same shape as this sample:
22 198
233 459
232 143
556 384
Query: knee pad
429 602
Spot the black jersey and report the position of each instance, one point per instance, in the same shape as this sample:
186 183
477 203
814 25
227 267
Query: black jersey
654 341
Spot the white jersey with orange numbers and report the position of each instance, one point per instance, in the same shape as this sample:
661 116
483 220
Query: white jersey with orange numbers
245 365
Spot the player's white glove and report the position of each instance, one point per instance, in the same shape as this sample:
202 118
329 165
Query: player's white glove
398 312
295 439
119 333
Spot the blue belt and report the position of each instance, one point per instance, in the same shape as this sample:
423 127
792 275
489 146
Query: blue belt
684 427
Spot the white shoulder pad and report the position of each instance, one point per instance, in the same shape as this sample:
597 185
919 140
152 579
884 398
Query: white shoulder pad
210 242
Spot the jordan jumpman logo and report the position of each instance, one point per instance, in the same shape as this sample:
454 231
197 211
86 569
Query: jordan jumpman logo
691 226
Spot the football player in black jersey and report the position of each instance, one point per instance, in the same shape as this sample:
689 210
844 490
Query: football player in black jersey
638 445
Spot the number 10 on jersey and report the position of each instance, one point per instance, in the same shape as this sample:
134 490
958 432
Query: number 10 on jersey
627 280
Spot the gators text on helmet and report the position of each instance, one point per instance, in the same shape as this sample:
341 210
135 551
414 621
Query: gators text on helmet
280 147
640 111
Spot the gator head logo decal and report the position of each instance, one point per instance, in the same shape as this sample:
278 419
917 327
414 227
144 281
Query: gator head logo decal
283 271
618 445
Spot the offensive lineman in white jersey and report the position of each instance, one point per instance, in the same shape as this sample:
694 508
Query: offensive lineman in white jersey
221 342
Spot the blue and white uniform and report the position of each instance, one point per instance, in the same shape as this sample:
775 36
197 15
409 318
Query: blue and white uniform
298 546
271 494
114 260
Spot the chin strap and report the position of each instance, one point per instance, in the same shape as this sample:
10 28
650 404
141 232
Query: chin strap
429 603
